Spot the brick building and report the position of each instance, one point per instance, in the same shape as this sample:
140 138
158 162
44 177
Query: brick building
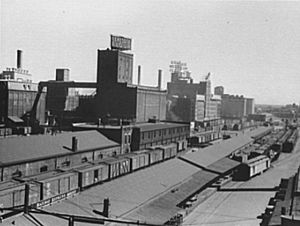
146 135
118 98
41 153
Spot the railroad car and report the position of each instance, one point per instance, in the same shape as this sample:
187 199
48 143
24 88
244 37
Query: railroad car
169 150
11 194
155 156
92 174
117 166
289 144
182 145
52 186
252 168
138 160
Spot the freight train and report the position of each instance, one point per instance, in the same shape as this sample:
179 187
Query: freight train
59 184
289 144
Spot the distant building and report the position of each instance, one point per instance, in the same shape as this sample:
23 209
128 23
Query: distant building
219 90
118 98
236 106
60 99
17 95
190 101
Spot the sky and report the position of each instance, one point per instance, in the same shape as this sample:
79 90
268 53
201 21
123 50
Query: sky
251 48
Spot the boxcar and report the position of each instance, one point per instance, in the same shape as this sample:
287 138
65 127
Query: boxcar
54 185
156 156
117 166
252 168
138 160
92 174
169 150
12 193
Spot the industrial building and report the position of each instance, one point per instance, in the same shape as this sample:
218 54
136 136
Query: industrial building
146 135
118 97
17 95
32 155
236 107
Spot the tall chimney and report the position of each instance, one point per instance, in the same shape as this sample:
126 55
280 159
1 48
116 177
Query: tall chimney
139 75
19 58
74 144
159 78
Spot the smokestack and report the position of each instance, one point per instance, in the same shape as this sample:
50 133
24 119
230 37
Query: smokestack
74 144
139 75
159 78
19 58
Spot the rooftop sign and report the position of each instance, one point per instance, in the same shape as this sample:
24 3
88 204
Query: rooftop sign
120 43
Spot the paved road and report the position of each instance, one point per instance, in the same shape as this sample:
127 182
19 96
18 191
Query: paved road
242 208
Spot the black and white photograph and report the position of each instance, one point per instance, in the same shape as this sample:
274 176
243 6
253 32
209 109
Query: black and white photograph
149 112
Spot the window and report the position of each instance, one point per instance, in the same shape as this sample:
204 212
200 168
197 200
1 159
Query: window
159 132
84 159
154 133
125 141
100 156
149 135
143 136
44 169
129 138
17 173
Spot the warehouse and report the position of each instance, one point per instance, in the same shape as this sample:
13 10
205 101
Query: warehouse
145 135
27 156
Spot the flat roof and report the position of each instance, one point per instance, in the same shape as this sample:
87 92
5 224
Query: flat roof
27 148
260 131
223 165
128 192
163 208
207 156
158 125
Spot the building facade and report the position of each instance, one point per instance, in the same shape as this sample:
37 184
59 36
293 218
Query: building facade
118 98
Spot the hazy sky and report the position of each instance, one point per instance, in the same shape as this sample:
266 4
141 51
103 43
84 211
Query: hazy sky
250 48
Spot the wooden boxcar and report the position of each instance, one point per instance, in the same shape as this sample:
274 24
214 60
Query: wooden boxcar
169 150
12 193
53 186
252 168
117 166
92 174
138 160
156 156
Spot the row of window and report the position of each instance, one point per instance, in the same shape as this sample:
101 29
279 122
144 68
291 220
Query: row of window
159 133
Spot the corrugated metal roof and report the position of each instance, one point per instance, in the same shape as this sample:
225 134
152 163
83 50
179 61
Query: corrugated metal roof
254 133
16 149
207 156
223 165
128 192
163 208
158 125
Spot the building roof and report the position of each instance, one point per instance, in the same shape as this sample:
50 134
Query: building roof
223 165
259 132
15 119
128 192
207 156
18 149
157 125
165 207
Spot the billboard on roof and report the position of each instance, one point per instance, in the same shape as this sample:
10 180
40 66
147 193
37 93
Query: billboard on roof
120 43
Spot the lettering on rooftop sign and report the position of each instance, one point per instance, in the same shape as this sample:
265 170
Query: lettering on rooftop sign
119 42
